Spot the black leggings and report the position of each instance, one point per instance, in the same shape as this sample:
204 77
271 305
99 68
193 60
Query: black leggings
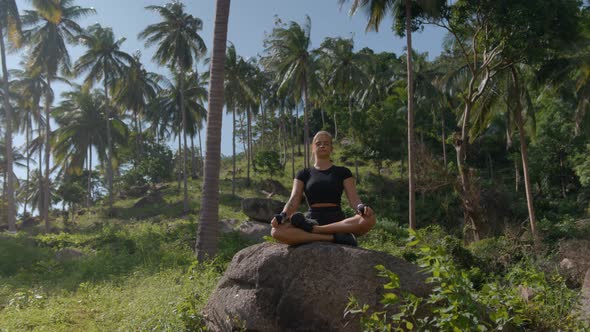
325 215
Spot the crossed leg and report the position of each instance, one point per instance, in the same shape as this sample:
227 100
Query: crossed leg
357 225
289 234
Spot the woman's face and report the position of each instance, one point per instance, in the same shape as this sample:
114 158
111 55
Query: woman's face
322 146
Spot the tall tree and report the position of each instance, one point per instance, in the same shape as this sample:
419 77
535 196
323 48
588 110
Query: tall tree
490 37
179 43
135 91
104 61
49 27
31 85
206 245
10 25
403 11
237 91
289 55
82 119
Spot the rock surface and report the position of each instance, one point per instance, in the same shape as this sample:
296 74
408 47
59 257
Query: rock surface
150 200
574 258
274 287
68 254
252 230
275 187
261 209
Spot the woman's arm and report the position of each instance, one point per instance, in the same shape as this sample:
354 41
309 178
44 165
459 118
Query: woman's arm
353 197
350 190
295 199
293 203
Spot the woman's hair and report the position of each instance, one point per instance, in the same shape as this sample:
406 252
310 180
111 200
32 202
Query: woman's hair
319 133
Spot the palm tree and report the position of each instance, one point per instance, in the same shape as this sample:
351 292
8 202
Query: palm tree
31 191
138 88
206 245
289 55
31 85
376 11
236 91
103 61
10 19
83 125
47 35
344 67
166 109
345 74
179 43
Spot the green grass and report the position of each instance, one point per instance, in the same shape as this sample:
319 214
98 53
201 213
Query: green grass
134 275
139 272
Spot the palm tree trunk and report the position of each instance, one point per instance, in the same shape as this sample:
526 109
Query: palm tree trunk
444 138
178 162
306 123
263 129
136 153
109 141
201 159
233 144
249 142
140 133
293 122
89 195
40 165
285 138
184 154
523 151
244 140
28 140
206 246
297 132
411 176
11 209
46 181
193 158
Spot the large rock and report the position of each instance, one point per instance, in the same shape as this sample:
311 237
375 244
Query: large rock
153 199
274 187
29 223
261 209
574 258
274 287
69 254
252 230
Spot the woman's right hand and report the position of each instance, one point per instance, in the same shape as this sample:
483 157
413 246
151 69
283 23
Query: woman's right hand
274 223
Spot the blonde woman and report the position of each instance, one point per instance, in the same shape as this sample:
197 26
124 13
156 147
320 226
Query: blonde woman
322 184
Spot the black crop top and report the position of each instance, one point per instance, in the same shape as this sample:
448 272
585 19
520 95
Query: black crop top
323 186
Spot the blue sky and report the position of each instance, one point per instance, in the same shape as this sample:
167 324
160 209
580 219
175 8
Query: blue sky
249 21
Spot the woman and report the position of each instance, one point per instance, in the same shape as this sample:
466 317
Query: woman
323 185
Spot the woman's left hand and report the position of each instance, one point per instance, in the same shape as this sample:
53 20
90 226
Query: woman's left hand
368 211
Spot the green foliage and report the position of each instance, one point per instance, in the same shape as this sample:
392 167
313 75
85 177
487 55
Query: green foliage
189 310
268 162
456 304
156 163
582 166
135 276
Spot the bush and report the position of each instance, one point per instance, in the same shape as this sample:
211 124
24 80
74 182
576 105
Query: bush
457 304
268 162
